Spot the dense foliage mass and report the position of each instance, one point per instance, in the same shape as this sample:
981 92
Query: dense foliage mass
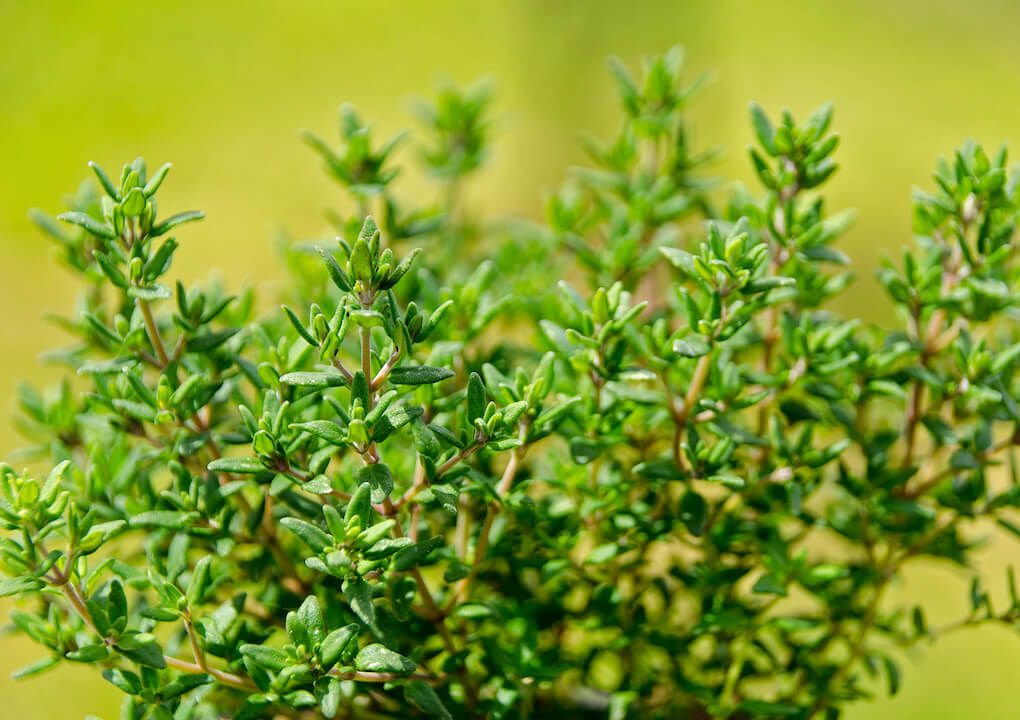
446 483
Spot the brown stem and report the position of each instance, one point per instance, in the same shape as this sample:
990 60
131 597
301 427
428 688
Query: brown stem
153 332
221 676
771 334
421 481
73 595
339 365
682 414
929 343
384 371
913 417
196 648
366 359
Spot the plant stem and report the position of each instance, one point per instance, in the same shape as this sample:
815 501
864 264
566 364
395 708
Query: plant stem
682 414
381 677
438 617
481 546
221 676
421 481
384 371
199 667
196 648
153 332
366 361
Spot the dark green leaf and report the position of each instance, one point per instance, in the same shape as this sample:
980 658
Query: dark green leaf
422 696
359 596
419 375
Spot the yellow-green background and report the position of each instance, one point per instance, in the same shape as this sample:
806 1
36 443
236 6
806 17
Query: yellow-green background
220 88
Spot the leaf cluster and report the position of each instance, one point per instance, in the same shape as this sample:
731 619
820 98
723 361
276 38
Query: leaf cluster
625 463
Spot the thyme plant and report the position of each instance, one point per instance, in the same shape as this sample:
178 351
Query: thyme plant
622 464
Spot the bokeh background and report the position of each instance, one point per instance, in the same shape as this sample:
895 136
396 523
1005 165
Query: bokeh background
221 88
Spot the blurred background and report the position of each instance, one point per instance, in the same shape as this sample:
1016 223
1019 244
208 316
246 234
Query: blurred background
221 89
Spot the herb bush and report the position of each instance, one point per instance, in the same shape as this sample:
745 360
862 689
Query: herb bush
449 484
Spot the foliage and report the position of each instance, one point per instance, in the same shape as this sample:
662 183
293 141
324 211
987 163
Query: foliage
440 483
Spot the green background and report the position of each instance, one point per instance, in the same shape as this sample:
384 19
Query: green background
221 89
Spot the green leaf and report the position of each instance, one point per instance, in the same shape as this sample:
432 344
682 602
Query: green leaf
334 522
161 518
110 269
237 465
89 653
309 534
419 375
157 179
769 585
359 597
476 398
143 649
416 554
174 220
379 479
300 327
692 346
763 171
396 416
94 226
314 379
680 259
336 273
200 581
420 694
124 680
552 416
361 261
360 506
325 430
209 341
330 702
401 269
318 485
108 187
370 536
37 668
265 657
310 617
20 586
300 699
892 673
763 129
603 554
339 644
133 202
152 292
379 658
